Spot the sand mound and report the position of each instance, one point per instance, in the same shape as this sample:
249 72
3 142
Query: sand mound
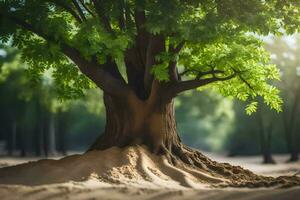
134 166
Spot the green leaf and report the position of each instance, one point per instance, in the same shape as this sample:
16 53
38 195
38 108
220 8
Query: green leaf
251 108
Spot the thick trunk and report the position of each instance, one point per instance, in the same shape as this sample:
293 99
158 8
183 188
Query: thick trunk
133 121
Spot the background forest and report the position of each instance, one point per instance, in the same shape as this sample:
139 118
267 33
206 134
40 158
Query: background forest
36 121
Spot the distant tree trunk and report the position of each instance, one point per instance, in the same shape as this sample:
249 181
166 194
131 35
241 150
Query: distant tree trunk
265 140
40 129
291 144
12 137
44 131
61 132
294 156
289 122
267 155
294 153
23 141
38 139
51 134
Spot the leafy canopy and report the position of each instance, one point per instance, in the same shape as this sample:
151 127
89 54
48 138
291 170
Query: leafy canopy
218 39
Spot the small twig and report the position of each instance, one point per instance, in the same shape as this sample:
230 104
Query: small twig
242 78
200 74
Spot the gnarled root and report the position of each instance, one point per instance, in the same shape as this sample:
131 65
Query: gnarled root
207 170
225 175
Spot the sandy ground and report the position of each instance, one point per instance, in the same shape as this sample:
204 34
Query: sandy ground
130 178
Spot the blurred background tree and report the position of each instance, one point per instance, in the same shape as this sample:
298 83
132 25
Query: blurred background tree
285 54
268 131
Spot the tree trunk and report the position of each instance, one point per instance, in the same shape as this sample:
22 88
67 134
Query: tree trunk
133 121
267 155
51 135
61 133
12 137
294 149
38 139
294 156
23 139
265 142
265 133
44 132
291 145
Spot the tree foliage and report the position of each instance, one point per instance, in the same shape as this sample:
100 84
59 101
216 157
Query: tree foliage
182 44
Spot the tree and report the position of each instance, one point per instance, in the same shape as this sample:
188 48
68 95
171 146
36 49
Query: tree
285 55
255 134
27 108
6 56
266 125
142 54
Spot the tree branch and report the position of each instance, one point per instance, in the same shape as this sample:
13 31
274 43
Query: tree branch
68 9
174 89
156 45
92 70
242 78
245 81
97 74
140 20
201 74
77 6
86 8
173 71
100 12
143 37
121 19
177 49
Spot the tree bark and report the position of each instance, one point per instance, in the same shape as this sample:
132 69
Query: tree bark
132 121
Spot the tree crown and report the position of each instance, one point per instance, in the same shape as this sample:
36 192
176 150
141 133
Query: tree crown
132 44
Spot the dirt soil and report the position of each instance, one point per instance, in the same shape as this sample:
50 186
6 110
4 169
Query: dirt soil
132 173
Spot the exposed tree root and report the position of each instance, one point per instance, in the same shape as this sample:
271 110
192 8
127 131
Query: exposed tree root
229 176
178 168
221 174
